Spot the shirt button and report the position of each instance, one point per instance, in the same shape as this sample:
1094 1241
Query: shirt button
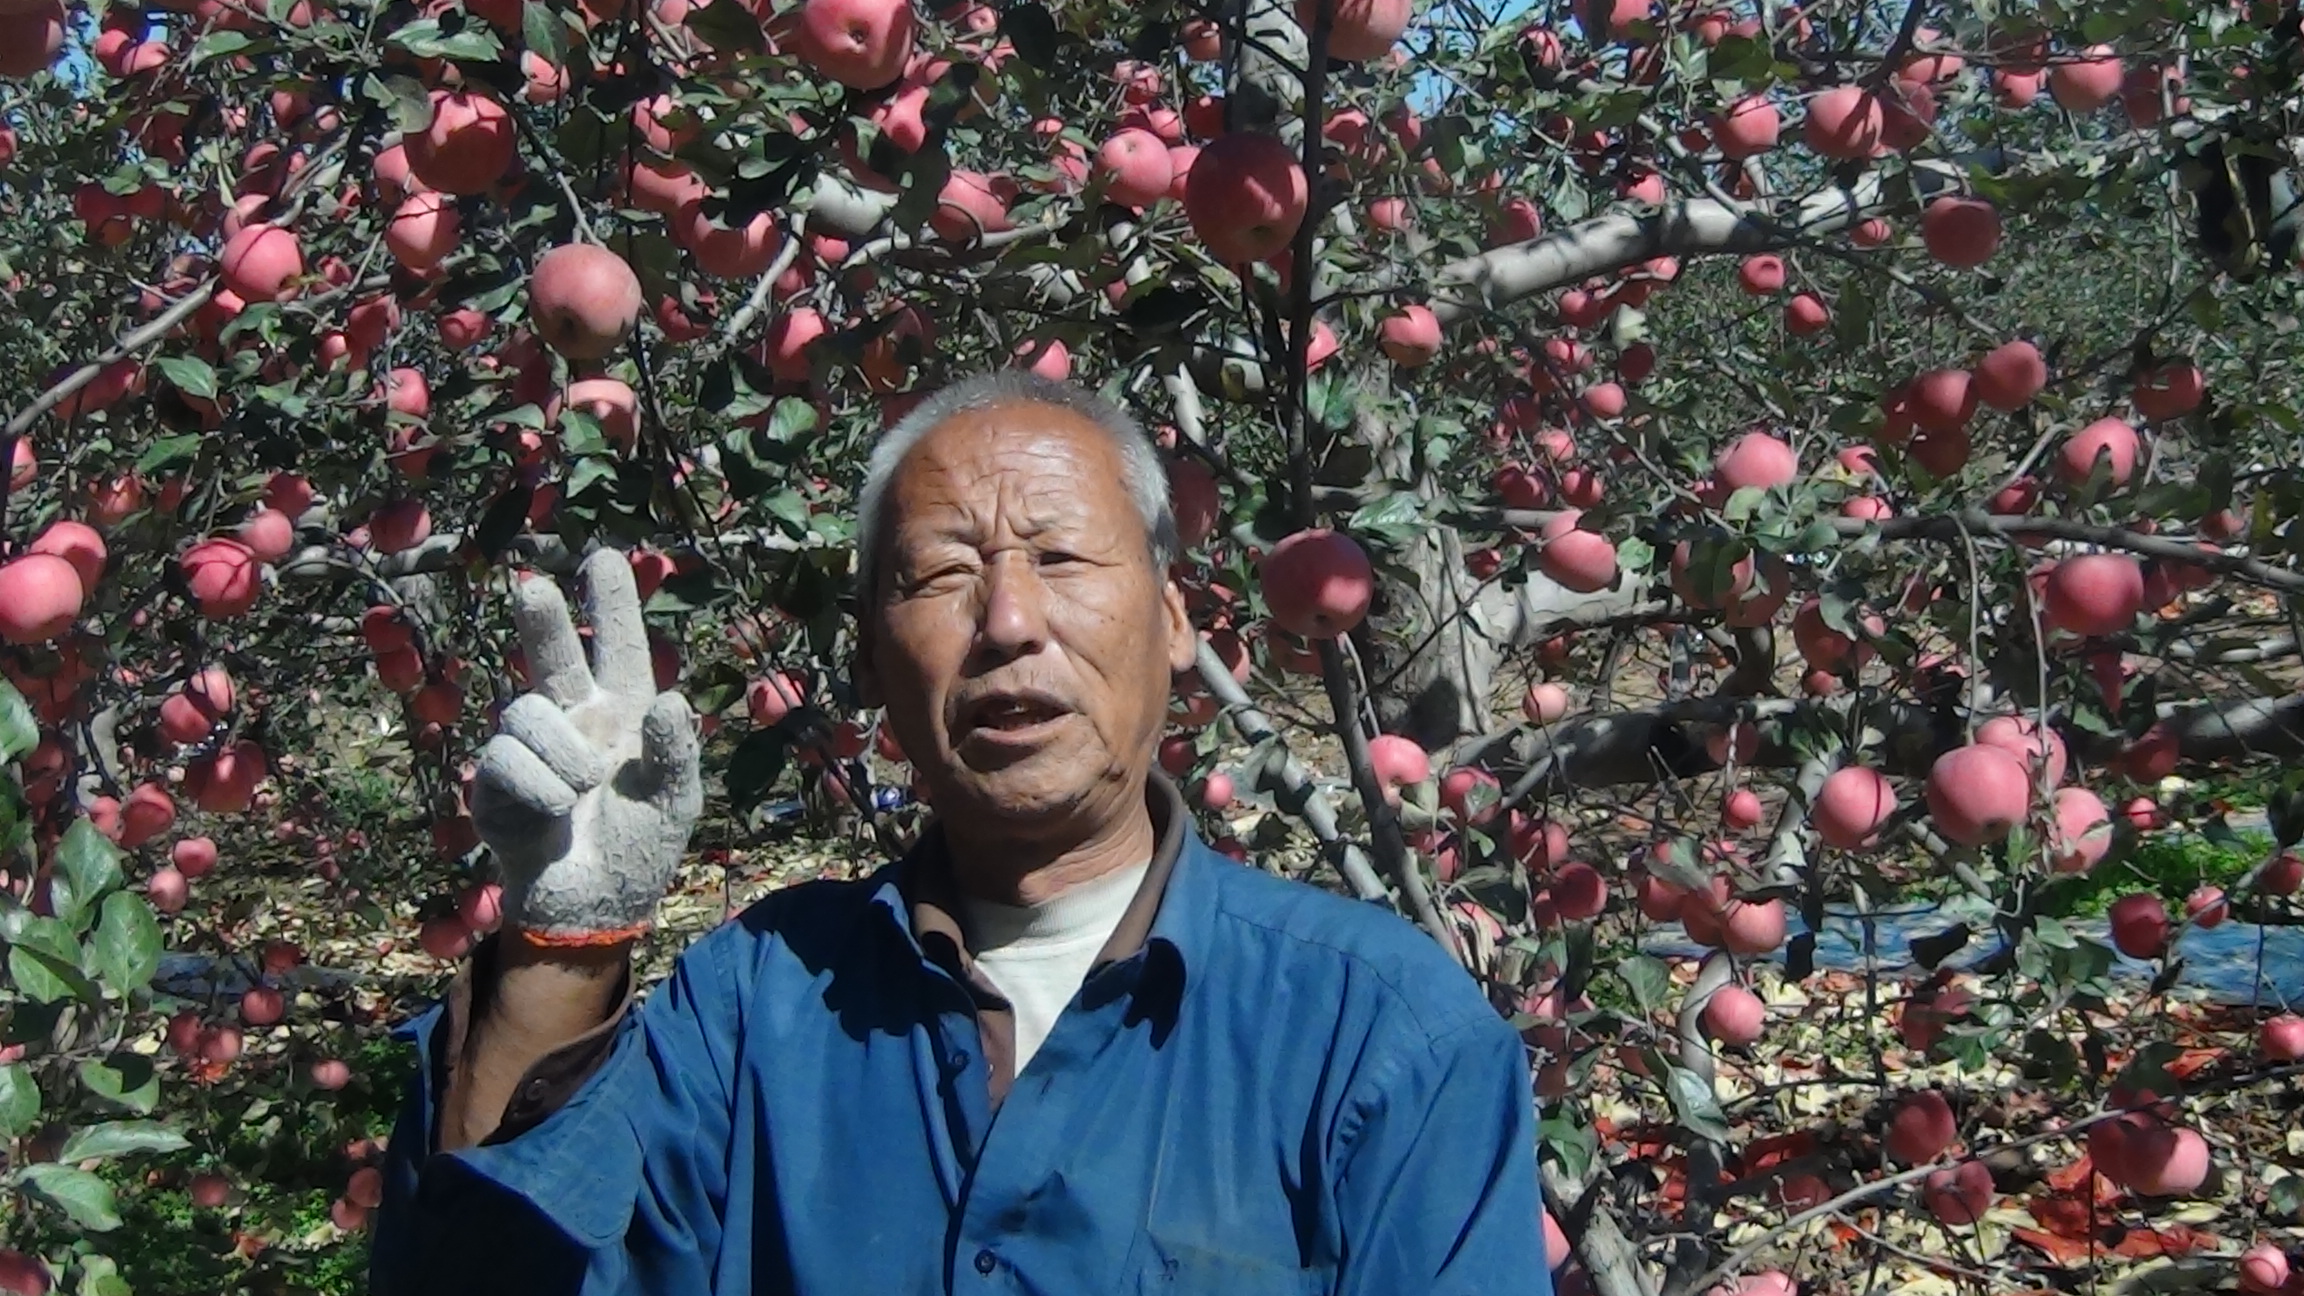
986 1262
960 1058
536 1090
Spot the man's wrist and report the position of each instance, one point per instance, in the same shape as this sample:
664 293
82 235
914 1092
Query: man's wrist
524 947
555 989
525 1004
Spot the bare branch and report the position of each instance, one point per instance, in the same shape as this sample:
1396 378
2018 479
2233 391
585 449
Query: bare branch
1289 782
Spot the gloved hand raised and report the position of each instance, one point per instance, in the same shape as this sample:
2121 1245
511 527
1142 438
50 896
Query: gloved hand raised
589 791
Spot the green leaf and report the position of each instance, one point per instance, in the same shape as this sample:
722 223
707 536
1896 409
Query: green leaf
1574 1143
543 31
1029 28
100 1276
794 418
476 44
124 1080
19 732
420 38
1385 513
1740 59
580 434
79 1194
1712 570
2053 934
218 44
87 868
1818 536
190 374
125 950
496 299
791 509
754 767
1931 951
727 26
169 451
1744 503
1164 309
19 1099
1677 864
46 977
119 1138
1647 978
1696 1106
405 98
506 515
2287 1194
589 473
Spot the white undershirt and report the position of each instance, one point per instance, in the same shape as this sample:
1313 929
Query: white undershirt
1038 955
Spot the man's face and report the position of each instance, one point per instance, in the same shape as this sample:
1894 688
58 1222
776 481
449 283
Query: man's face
1021 637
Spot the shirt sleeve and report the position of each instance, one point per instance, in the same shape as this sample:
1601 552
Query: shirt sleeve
620 1185
1438 1189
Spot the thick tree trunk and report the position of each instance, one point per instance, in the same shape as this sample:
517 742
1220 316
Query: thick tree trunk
1450 636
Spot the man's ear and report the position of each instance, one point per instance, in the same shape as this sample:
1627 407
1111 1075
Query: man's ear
1183 640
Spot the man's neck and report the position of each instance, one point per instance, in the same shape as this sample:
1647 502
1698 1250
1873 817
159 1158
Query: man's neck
1026 874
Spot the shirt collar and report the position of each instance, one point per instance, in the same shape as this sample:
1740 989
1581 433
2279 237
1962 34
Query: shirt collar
923 892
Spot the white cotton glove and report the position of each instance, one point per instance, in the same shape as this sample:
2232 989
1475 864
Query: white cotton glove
588 793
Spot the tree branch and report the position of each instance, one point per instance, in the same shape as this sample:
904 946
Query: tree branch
1288 781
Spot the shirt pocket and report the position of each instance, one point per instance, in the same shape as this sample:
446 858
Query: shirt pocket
1166 1266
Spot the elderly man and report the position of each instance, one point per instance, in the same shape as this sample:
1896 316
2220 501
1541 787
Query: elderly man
1061 1047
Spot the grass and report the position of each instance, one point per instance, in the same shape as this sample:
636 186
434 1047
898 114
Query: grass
286 1162
2172 864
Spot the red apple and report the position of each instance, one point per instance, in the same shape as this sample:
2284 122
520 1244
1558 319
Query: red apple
40 598
1411 337
193 856
468 145
1977 793
1580 560
1734 1016
260 263
1921 1128
2139 925
1245 197
1136 168
1358 30
1959 1195
1397 763
1852 806
1318 583
2281 1038
1961 232
862 44
262 1006
583 300
222 576
2010 375
2263 1270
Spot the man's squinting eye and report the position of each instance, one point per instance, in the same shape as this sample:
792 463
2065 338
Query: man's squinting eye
932 574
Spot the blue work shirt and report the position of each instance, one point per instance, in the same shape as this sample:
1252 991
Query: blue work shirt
1282 1091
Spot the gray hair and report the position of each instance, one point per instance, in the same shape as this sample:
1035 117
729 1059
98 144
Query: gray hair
1142 474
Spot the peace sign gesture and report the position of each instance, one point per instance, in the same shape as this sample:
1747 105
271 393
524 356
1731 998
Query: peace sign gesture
588 793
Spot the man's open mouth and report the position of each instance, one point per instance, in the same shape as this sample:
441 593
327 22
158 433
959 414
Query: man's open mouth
1013 712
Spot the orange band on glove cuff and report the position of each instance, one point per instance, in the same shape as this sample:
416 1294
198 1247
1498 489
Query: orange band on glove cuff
581 940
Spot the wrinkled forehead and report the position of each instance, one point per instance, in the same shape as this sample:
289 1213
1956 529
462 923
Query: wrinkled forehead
1048 463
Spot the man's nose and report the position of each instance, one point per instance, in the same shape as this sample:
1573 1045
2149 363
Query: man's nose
1014 621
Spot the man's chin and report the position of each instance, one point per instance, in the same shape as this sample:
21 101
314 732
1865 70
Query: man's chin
1043 787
